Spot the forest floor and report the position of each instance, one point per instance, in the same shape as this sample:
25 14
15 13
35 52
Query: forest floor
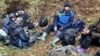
88 10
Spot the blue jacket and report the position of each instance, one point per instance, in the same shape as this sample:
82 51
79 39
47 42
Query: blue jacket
7 24
63 18
78 25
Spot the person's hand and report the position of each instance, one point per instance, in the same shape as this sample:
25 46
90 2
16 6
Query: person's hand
36 24
55 28
85 31
16 14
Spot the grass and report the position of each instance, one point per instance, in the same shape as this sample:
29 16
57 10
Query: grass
3 6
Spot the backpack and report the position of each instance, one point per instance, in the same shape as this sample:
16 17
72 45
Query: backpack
57 51
97 53
43 21
69 37
71 51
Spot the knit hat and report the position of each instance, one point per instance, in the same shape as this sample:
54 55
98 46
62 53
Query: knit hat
67 4
19 8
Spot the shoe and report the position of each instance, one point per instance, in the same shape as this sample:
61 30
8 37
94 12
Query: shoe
53 43
40 38
43 37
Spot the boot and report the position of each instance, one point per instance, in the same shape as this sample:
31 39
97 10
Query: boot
7 40
43 37
53 43
65 48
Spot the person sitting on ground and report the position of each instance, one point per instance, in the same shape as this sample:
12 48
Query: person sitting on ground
9 21
90 36
4 32
26 22
62 20
18 36
67 36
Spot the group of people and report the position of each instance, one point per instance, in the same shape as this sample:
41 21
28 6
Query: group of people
66 30
15 28
64 26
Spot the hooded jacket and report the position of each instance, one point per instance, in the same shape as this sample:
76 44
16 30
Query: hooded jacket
8 22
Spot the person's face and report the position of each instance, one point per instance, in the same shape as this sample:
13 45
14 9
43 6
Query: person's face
18 20
66 8
13 18
85 30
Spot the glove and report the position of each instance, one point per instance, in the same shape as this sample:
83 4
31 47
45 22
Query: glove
36 24
55 28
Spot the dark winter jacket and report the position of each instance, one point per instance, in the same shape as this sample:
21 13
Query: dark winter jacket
17 35
24 16
86 40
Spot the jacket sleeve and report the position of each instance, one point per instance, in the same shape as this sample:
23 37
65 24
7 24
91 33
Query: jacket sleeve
82 38
56 18
24 37
6 24
22 34
94 34
71 19
93 25
25 17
